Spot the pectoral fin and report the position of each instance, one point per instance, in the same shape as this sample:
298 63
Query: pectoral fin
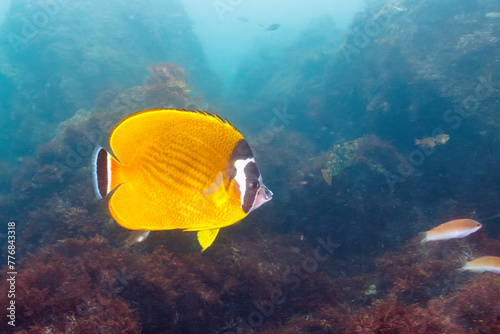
215 186
217 192
207 237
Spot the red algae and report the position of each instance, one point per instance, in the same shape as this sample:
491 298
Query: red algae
475 306
63 292
416 289
88 285
473 309
391 316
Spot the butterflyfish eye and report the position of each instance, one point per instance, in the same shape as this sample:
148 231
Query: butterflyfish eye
253 184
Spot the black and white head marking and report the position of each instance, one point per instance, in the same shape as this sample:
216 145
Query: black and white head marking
253 192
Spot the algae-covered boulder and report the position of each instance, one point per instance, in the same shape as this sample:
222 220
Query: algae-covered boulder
378 156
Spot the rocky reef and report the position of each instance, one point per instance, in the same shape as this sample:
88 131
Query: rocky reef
378 156
413 68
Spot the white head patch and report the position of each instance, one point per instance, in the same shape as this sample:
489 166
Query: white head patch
240 176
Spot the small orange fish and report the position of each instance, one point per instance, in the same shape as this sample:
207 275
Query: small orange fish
484 263
459 228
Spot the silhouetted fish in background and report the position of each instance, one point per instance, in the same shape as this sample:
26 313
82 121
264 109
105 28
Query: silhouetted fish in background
243 19
493 15
273 27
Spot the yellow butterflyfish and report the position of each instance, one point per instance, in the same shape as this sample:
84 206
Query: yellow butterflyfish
178 169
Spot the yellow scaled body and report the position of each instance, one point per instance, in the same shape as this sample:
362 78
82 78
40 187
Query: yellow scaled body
170 168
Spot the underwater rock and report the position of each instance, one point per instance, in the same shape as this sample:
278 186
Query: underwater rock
443 58
341 156
476 41
47 176
379 156
167 79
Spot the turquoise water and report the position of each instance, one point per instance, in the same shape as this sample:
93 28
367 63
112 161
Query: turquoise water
228 39
3 10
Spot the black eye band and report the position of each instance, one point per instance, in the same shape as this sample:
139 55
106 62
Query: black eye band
252 175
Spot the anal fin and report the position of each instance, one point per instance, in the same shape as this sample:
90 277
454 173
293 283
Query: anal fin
207 237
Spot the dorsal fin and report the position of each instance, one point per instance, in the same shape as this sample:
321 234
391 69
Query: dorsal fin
138 128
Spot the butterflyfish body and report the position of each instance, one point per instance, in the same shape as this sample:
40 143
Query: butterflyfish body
458 228
178 169
484 263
